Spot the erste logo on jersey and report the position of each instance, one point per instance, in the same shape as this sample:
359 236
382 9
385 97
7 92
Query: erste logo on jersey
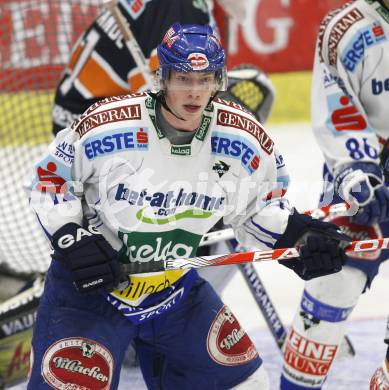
232 119
236 147
338 30
227 342
354 52
52 177
115 141
344 116
78 363
198 61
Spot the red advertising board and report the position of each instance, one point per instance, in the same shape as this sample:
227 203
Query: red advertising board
37 36
278 35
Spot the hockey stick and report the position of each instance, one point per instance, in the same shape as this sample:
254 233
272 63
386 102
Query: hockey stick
130 41
243 257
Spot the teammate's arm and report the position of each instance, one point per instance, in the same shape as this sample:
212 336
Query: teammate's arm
268 222
344 131
57 190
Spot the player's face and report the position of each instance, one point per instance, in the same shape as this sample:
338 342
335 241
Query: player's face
187 94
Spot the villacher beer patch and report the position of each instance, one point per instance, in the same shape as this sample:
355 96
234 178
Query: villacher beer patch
227 342
78 363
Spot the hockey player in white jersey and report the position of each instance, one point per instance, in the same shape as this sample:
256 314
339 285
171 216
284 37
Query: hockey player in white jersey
350 118
101 50
138 179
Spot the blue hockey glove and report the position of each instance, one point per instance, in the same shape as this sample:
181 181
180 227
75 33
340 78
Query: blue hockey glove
362 184
92 261
321 246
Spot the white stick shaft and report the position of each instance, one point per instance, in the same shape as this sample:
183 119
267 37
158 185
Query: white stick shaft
243 257
273 254
130 41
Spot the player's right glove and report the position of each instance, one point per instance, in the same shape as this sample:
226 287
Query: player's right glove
85 252
320 245
362 184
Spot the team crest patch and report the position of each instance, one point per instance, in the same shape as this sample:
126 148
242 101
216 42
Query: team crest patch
221 168
227 342
78 363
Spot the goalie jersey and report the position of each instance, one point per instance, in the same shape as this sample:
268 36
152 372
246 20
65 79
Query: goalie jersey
101 65
153 200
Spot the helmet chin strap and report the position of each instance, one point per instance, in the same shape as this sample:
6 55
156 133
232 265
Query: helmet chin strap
160 98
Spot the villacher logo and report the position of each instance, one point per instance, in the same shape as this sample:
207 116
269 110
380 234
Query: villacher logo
78 363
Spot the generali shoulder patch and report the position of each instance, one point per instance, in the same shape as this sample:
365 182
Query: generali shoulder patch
227 342
78 363
110 115
233 119
339 29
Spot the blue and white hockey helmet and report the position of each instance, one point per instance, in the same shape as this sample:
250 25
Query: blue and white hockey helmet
192 48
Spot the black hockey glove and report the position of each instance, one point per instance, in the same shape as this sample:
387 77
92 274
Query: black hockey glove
91 259
321 246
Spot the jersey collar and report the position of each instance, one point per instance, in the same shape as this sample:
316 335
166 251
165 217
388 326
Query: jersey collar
181 150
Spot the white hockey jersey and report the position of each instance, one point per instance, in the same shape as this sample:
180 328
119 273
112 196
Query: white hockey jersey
153 200
350 87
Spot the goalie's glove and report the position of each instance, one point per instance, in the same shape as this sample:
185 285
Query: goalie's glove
85 252
252 89
361 184
321 246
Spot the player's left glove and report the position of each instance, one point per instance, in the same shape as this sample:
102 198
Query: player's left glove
362 184
87 254
320 246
